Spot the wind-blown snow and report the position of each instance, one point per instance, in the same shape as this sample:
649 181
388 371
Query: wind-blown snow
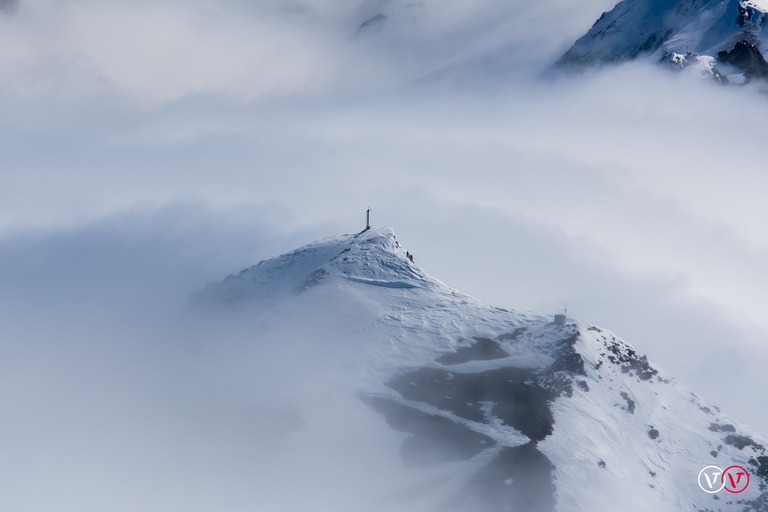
432 361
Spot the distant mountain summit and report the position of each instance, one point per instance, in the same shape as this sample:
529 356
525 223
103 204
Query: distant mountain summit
725 39
495 410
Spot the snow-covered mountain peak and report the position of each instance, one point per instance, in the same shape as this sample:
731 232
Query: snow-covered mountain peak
372 257
492 410
723 39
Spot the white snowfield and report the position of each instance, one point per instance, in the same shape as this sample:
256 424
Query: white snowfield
585 423
760 5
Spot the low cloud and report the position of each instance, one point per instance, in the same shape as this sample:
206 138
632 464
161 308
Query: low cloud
127 401
151 147
148 54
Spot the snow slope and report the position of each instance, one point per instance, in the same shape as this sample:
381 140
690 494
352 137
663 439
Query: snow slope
659 28
489 409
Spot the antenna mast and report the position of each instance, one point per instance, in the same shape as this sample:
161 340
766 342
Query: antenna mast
368 218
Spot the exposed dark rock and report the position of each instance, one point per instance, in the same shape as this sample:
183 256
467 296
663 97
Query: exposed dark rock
747 57
314 279
650 44
519 478
713 453
517 398
759 504
560 383
630 402
745 16
761 463
627 359
570 340
714 427
483 349
569 361
749 16
435 439
514 335
566 360
741 442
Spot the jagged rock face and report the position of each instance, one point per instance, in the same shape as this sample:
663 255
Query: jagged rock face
663 29
455 406
745 56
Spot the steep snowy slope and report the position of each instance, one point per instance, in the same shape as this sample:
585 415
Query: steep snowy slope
681 31
494 410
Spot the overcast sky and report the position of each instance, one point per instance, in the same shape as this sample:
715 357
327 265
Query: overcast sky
160 145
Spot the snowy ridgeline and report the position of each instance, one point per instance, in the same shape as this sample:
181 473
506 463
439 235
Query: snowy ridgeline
490 409
722 39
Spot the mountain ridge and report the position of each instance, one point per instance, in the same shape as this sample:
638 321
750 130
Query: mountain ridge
681 32
499 409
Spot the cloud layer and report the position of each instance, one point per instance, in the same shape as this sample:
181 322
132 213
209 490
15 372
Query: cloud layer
151 147
150 53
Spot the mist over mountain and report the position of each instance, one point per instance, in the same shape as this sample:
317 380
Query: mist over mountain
723 39
151 146
495 410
